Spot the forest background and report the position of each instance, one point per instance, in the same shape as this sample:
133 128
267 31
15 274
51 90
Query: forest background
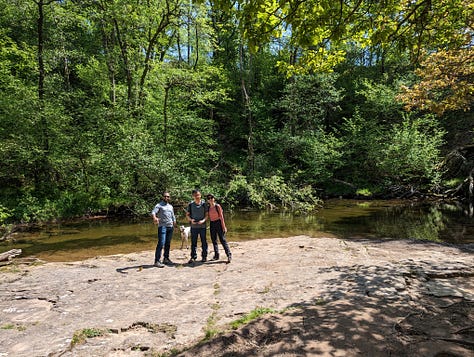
104 104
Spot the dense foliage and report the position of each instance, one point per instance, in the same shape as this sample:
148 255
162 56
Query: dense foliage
106 103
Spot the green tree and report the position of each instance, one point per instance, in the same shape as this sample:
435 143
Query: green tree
321 29
309 103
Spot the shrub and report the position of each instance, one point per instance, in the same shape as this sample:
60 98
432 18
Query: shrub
411 151
271 192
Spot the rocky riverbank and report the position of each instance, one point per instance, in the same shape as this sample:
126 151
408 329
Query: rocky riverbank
325 296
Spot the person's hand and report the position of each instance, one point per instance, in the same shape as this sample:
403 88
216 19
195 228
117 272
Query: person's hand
155 220
225 230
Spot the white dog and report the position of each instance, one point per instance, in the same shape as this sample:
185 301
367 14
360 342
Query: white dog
185 233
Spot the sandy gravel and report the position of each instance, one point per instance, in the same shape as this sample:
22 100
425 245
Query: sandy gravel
330 296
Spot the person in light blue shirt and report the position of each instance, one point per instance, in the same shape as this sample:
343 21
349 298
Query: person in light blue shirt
163 215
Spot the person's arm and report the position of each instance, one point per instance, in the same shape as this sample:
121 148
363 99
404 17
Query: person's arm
156 220
221 215
188 214
174 219
206 217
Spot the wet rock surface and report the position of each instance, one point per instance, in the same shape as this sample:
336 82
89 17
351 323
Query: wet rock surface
330 296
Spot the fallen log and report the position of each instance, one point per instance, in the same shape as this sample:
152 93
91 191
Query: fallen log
466 188
9 255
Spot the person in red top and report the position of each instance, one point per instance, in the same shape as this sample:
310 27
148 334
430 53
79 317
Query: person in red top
217 227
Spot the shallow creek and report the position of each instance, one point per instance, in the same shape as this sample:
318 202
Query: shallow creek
348 219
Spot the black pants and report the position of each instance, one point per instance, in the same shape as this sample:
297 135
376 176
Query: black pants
195 232
217 231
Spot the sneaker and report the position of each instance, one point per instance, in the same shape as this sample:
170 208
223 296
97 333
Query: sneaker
192 261
158 264
204 260
167 261
215 257
229 259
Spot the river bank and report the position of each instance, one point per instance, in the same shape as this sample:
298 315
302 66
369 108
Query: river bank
328 296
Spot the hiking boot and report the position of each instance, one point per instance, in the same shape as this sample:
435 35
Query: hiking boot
167 261
191 261
158 264
204 260
229 259
215 257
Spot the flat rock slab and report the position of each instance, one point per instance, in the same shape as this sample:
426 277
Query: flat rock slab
123 306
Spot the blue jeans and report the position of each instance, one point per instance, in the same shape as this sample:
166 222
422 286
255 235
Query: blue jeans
164 240
194 239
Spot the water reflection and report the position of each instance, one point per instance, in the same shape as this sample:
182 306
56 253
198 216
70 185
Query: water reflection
434 222
339 218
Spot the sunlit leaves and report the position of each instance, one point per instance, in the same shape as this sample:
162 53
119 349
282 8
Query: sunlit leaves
321 60
447 82
319 29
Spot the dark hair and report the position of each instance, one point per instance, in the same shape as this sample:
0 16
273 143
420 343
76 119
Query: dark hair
196 191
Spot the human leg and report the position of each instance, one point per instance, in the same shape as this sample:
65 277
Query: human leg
194 238
225 245
202 234
169 236
160 244
213 230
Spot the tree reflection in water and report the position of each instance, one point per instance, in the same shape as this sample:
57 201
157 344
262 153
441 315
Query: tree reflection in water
348 219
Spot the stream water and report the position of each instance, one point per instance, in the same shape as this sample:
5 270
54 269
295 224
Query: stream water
346 219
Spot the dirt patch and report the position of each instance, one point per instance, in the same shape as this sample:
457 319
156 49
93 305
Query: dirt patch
330 297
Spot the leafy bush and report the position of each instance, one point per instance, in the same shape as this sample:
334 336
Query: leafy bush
410 151
272 192
5 215
360 139
398 154
34 209
379 99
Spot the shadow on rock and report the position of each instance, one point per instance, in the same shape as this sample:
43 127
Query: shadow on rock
366 311
136 267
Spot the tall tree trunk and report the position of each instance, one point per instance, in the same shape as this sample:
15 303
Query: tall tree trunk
126 63
250 123
178 46
165 114
42 74
41 70
42 174
110 62
188 31
165 21
247 113
196 49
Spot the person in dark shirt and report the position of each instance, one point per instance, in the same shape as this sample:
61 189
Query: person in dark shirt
197 215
